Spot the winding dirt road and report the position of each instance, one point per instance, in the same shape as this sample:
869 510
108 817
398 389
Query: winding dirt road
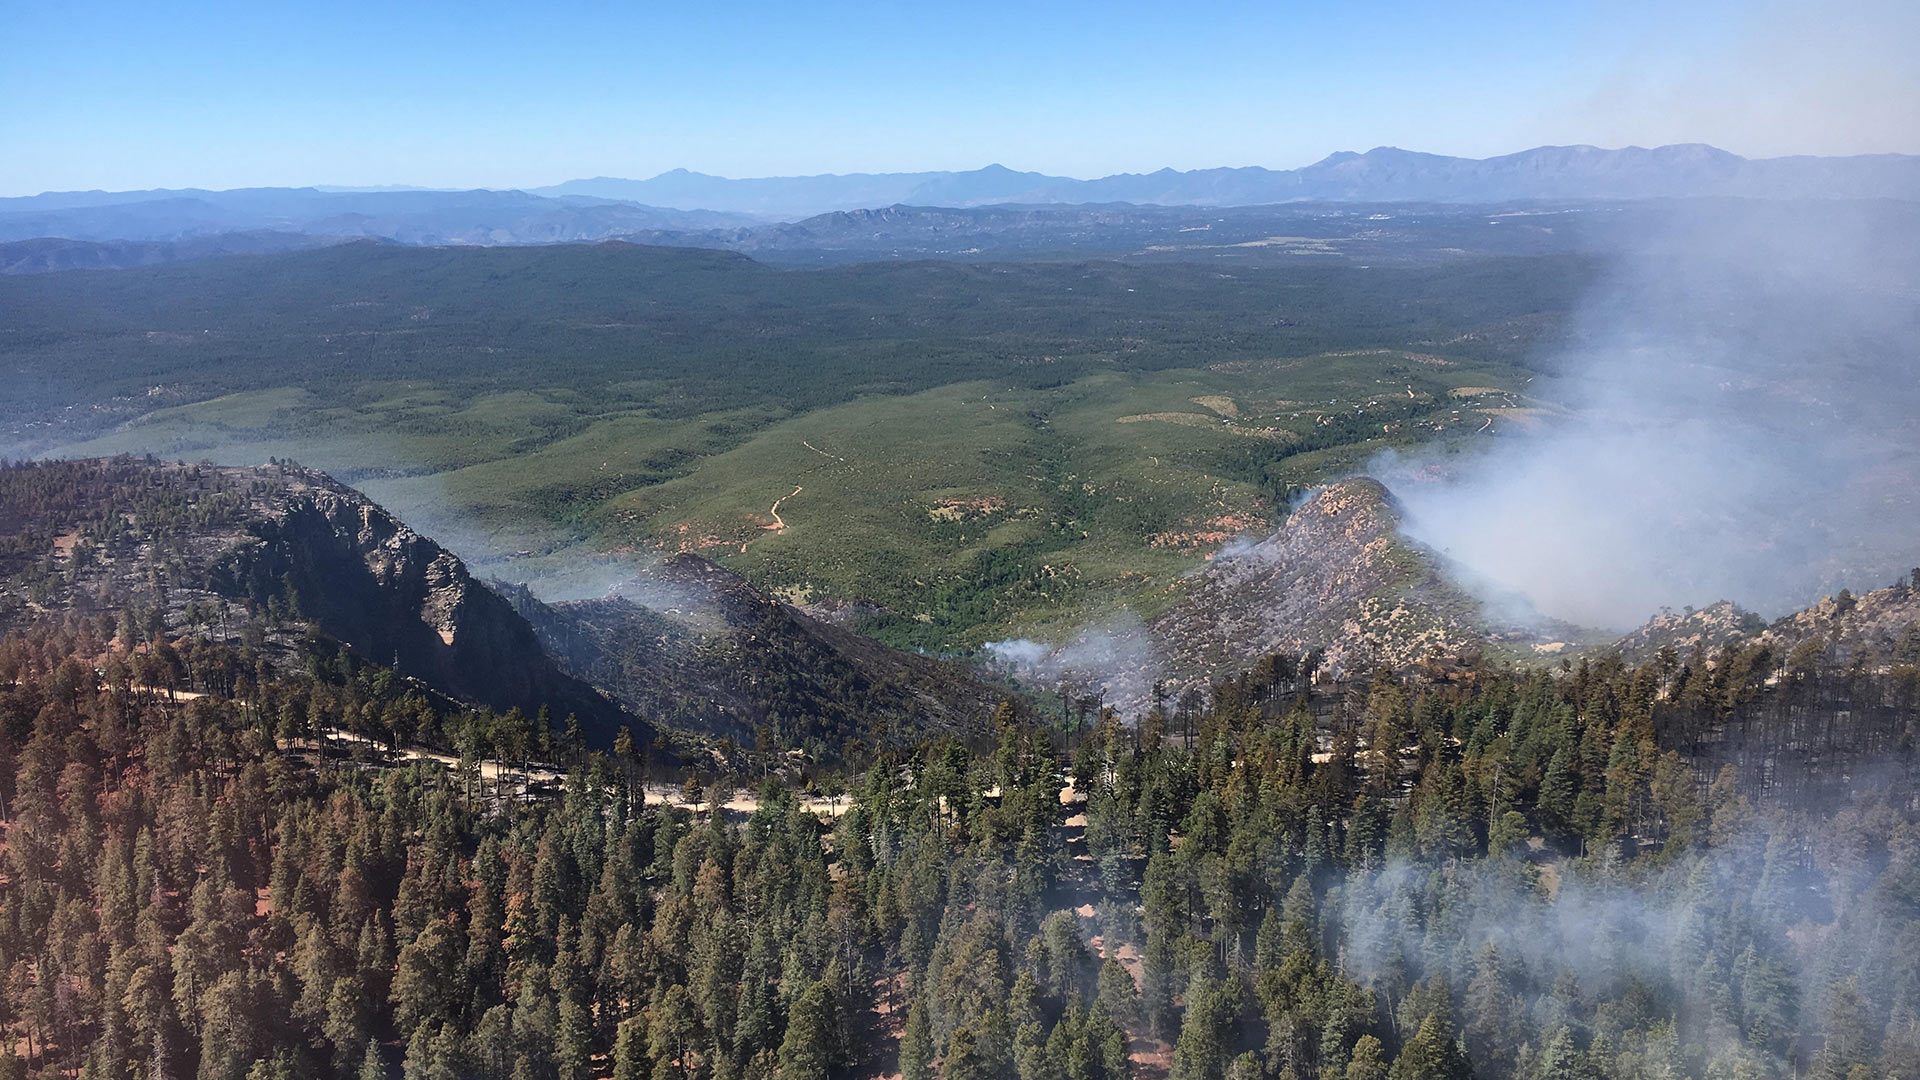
779 524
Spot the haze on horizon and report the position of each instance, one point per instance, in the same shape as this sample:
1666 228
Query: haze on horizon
122 97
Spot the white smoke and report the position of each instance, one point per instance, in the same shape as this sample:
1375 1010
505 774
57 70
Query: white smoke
1115 658
1745 393
1020 654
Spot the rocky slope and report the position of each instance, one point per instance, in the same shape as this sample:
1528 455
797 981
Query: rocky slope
281 550
1337 576
1884 620
276 545
693 645
1873 626
1338 579
1708 628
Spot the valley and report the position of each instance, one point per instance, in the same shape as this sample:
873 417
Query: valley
1036 447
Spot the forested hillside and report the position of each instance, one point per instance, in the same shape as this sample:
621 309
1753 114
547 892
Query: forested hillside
1504 876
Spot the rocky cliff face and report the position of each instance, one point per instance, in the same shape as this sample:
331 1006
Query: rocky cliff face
401 599
97 537
695 646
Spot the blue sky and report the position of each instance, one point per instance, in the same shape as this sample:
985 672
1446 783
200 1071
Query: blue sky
502 95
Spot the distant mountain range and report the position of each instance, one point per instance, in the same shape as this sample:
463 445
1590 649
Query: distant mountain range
694 209
409 217
1384 174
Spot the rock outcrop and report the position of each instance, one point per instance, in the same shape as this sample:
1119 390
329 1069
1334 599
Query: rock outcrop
401 599
94 538
1339 579
1338 576
1875 626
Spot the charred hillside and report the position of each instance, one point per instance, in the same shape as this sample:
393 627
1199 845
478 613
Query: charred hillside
692 645
277 549
1339 577
1819 701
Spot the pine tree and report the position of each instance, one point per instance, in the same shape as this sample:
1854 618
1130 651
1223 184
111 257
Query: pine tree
966 1059
916 1045
1368 1061
1768 998
1492 1022
1556 799
1200 1052
230 1031
671 1031
1108 1045
1118 996
348 1023
573 1041
809 1051
630 1061
426 980
1560 1059
1847 1038
1432 1054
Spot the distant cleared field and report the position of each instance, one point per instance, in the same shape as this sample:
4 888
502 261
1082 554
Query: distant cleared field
965 451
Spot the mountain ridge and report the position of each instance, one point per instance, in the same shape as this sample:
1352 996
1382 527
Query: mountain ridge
413 217
682 199
1384 174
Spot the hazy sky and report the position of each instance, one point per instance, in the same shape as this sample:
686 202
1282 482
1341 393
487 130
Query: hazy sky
500 95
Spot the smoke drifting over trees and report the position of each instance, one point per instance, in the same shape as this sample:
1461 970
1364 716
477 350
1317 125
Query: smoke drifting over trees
1743 396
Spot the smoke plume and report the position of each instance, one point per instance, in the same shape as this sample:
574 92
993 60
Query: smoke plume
1114 658
1742 422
